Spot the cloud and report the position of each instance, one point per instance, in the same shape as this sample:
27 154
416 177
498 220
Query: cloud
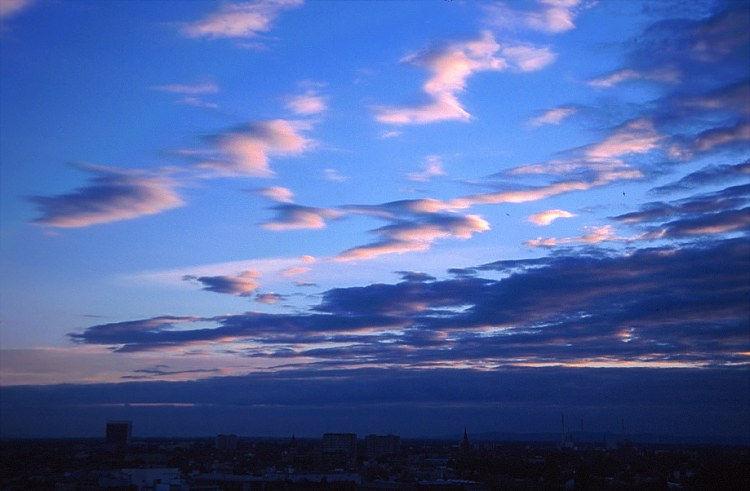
664 75
198 102
694 52
679 305
191 93
450 67
243 284
189 89
711 140
247 150
277 193
716 213
433 166
290 216
11 8
550 16
527 58
389 134
416 224
721 222
546 217
734 96
635 136
294 271
415 276
725 199
239 20
532 193
719 36
161 371
111 195
708 175
334 175
553 116
593 235
268 298
307 104
416 234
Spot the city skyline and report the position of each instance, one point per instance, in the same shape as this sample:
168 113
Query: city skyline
381 217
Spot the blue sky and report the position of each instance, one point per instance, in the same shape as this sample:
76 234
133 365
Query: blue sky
202 189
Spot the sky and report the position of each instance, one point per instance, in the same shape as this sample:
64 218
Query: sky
276 217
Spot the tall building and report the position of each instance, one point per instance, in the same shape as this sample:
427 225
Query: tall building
381 445
226 442
118 432
340 448
465 444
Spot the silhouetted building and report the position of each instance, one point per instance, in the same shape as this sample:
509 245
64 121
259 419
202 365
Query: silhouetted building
381 445
118 432
340 448
465 445
226 442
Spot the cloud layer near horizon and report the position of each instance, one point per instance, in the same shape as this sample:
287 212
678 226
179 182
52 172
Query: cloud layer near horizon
686 306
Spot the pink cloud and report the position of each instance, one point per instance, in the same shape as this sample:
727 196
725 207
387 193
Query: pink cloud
189 89
247 151
635 136
111 195
711 139
307 104
417 235
277 193
553 116
527 58
268 298
432 167
242 284
550 16
239 20
9 8
593 235
664 75
546 217
298 217
450 68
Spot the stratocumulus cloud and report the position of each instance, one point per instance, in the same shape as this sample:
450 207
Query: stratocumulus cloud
684 305
111 195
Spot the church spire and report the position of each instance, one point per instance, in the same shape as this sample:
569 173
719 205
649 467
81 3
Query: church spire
465 445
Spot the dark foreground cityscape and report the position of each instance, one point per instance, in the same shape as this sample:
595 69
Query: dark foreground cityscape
577 460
